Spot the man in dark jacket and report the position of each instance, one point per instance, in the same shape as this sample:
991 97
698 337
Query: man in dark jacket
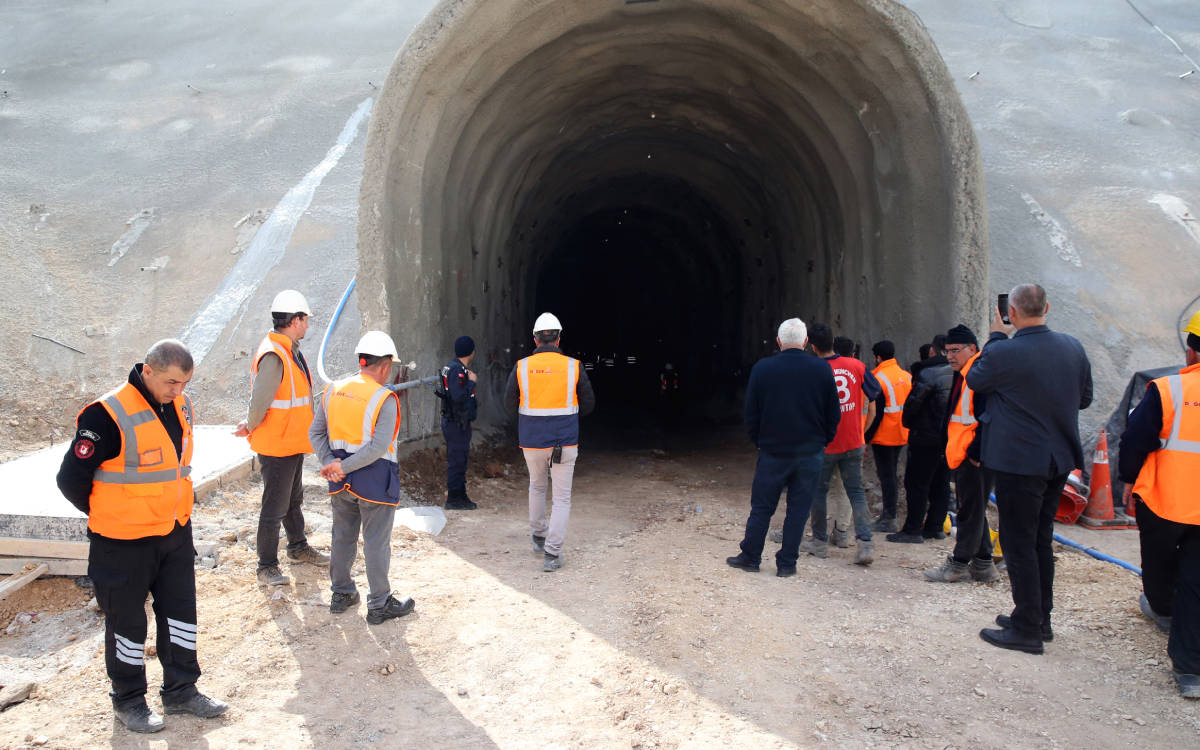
1036 383
458 411
926 476
792 413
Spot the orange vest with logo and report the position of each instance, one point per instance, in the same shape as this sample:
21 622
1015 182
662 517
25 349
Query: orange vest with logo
145 488
284 429
961 429
1166 483
549 400
897 384
352 407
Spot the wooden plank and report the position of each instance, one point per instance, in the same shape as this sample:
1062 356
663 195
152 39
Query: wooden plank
17 581
23 547
13 565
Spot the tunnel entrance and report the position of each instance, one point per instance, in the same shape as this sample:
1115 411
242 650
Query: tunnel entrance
672 179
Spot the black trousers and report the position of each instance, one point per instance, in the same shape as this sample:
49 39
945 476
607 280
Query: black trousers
1027 505
458 450
972 485
1171 580
283 495
123 573
887 458
926 489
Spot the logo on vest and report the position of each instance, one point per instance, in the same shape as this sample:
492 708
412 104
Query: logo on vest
84 448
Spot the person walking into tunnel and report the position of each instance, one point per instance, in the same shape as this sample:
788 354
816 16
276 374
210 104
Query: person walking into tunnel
926 476
887 433
1036 384
549 392
354 429
791 414
1159 462
972 556
277 426
128 468
458 411
856 389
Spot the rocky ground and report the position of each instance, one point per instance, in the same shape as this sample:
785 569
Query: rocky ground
645 638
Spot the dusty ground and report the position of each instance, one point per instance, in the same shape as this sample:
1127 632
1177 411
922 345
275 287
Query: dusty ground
644 639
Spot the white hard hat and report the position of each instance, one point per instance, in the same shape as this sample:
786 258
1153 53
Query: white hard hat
377 344
290 301
546 322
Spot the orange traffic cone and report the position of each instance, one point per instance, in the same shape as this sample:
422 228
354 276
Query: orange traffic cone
1072 501
1099 512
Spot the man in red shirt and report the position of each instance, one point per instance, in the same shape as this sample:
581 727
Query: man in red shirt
856 388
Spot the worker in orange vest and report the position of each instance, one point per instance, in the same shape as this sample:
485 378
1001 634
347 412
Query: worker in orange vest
549 392
354 429
887 434
1159 462
277 427
128 468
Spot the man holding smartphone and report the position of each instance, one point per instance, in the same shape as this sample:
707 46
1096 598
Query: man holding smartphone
1036 383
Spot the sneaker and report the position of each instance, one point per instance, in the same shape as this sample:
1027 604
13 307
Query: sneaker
393 607
984 571
551 563
865 554
1012 640
1163 622
815 547
339 603
951 571
739 561
903 537
198 705
307 554
138 717
538 543
1189 684
886 524
1005 621
272 576
839 537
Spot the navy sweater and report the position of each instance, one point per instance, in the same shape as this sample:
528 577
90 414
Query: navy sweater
791 403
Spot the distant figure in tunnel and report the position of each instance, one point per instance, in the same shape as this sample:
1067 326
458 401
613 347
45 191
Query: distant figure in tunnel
856 389
459 409
549 392
791 414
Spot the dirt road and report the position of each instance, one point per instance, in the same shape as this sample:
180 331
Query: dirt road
644 639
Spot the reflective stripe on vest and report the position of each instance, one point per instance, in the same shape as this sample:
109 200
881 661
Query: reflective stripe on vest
963 414
339 432
284 428
570 400
1168 476
127 424
1173 442
892 407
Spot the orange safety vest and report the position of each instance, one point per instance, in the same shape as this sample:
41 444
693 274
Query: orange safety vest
145 488
1165 483
549 400
897 384
352 407
961 429
284 429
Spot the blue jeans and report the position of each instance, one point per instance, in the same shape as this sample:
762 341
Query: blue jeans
849 465
774 472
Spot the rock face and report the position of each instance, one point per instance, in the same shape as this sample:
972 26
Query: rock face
700 168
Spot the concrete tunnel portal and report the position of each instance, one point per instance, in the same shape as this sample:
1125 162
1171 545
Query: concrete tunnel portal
672 178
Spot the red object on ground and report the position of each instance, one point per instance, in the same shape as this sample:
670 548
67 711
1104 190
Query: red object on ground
1099 512
1072 502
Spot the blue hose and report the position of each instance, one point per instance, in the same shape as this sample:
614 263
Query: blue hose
1089 550
337 313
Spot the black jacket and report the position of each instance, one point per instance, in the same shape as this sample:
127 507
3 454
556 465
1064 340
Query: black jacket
1036 383
791 403
459 398
925 408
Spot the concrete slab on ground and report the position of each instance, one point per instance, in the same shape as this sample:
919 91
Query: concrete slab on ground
33 507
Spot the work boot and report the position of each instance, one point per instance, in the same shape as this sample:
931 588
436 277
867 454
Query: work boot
742 562
885 524
457 500
984 571
865 554
1162 621
551 563
538 543
935 534
815 547
198 705
1012 640
339 602
904 537
1189 684
839 537
393 607
137 717
1005 621
951 571
307 554
271 575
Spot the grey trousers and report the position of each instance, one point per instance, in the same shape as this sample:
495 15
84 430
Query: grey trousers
282 498
349 513
541 474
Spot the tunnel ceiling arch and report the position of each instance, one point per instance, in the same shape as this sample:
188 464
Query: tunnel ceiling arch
679 174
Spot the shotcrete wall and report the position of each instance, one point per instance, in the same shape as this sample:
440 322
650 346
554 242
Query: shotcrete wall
671 178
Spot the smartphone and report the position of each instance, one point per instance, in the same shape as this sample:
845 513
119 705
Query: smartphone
1002 306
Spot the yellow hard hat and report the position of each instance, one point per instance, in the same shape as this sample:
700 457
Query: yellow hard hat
1193 325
